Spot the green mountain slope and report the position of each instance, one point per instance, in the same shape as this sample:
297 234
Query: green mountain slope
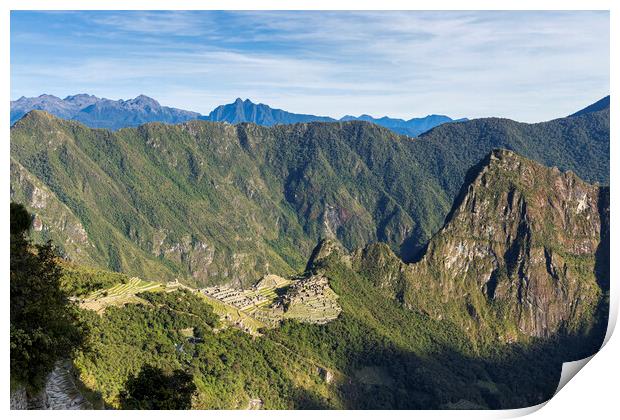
579 144
444 332
213 203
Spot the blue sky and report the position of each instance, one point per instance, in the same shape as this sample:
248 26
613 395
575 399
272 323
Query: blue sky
528 66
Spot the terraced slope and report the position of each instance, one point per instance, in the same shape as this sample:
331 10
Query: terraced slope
271 300
119 295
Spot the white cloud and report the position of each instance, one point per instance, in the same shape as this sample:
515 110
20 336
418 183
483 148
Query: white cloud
529 66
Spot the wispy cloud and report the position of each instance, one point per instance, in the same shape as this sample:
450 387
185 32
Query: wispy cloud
178 23
524 65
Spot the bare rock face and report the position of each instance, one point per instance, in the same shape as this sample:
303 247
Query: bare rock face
521 244
326 375
520 254
19 399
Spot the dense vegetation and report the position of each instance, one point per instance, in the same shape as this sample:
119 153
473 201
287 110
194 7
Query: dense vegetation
174 332
391 358
155 389
210 202
77 280
44 324
392 355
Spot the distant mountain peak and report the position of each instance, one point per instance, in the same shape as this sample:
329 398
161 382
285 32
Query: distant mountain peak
144 100
247 111
101 112
45 95
80 96
107 113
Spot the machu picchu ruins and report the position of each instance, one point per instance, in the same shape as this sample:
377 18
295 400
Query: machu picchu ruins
273 298
309 300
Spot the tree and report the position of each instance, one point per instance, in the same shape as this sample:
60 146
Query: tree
156 389
44 323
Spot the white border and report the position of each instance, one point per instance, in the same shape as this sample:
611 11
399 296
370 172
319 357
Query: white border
593 394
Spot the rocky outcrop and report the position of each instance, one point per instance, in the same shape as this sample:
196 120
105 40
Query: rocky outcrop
61 392
19 399
522 254
520 246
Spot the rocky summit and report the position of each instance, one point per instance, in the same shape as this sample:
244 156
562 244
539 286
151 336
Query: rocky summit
521 254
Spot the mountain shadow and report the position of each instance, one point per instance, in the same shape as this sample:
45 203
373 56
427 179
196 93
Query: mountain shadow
44 323
156 389
514 376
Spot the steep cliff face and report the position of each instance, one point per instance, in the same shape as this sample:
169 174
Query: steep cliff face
518 256
53 220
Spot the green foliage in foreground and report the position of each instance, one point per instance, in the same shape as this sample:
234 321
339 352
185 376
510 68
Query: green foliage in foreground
44 324
174 332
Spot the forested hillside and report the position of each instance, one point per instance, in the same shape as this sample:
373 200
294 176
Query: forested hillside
439 333
213 203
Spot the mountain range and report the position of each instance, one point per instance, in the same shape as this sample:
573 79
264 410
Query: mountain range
506 292
216 203
261 114
100 112
318 264
105 113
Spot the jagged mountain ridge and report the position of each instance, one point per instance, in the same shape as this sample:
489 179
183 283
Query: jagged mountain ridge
105 113
101 112
261 114
520 255
246 111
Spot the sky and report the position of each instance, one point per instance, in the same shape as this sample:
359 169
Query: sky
528 66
